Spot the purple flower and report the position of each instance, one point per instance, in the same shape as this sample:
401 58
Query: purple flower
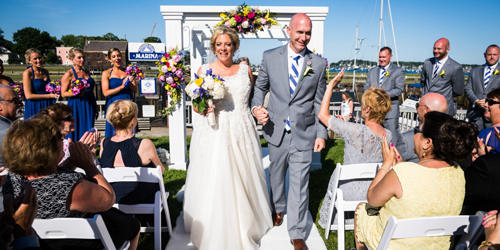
161 78
178 73
201 92
209 72
169 80
176 58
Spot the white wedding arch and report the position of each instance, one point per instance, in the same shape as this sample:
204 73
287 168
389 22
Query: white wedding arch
190 28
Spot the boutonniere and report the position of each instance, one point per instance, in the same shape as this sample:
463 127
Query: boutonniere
496 72
308 70
442 73
387 74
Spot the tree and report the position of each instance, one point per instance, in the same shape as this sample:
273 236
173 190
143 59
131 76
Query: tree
5 43
29 37
110 37
152 39
51 58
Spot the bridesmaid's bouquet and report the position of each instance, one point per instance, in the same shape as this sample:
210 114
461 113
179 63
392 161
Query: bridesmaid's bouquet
203 89
171 76
17 88
77 85
53 87
135 71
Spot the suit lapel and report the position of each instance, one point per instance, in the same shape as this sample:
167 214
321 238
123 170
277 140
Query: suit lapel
307 57
285 70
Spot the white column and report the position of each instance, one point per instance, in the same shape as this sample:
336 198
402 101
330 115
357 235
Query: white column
177 120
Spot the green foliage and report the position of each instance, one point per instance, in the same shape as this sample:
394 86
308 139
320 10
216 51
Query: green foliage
51 58
110 37
29 37
152 39
5 43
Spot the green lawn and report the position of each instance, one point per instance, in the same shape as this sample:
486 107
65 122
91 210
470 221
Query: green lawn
318 184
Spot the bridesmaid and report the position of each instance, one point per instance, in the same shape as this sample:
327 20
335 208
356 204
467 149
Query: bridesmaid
84 104
116 85
4 79
34 80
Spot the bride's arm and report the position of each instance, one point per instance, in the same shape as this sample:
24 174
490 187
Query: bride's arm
250 75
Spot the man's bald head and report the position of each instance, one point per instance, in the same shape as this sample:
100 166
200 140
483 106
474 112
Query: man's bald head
299 31
441 48
431 102
299 18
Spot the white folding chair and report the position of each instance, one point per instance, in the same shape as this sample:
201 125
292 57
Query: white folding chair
346 172
74 228
141 174
466 225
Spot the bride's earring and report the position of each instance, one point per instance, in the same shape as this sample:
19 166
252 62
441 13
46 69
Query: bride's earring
423 155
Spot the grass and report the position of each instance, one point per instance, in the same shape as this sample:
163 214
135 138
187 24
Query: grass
318 184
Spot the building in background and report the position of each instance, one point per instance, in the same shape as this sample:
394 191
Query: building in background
62 54
96 54
6 54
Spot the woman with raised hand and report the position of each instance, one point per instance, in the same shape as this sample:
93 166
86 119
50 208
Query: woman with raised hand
116 85
363 142
84 104
435 186
35 78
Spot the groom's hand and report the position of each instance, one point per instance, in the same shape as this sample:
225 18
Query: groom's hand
261 114
319 144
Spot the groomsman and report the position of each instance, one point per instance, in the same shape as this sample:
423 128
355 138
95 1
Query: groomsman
443 75
482 79
390 78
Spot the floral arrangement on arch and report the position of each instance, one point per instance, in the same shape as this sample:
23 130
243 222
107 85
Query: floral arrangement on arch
247 19
171 76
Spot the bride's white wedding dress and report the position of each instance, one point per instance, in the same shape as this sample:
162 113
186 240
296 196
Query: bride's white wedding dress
226 204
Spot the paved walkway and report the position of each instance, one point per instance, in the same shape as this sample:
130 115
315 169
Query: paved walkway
159 132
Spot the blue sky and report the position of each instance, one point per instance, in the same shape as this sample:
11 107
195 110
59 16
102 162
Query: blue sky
470 25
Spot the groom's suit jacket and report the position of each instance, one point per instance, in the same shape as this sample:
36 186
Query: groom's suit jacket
474 90
393 84
302 108
450 84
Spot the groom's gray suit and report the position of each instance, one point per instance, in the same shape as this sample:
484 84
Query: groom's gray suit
292 149
450 84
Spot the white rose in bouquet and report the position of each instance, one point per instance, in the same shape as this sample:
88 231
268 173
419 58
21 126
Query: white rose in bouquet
190 90
218 91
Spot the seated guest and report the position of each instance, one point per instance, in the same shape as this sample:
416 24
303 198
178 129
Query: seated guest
433 187
492 112
125 150
32 150
62 116
362 142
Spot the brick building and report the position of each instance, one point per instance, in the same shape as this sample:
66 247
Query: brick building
63 55
96 54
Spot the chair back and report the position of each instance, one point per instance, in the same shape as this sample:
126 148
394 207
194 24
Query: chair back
133 174
74 228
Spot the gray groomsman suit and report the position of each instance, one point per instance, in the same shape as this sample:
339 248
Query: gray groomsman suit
292 149
393 84
474 90
4 126
406 149
450 85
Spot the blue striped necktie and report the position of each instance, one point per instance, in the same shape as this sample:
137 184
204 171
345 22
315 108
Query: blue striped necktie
487 76
382 76
294 78
436 70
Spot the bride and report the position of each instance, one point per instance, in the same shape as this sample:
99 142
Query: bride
226 203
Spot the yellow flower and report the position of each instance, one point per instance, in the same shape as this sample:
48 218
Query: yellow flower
442 73
163 60
245 13
387 74
198 81
496 72
222 15
267 16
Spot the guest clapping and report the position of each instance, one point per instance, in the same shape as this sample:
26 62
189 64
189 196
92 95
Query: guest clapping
35 78
363 143
84 104
125 150
117 85
32 150
433 187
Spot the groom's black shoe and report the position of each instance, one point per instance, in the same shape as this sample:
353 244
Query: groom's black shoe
277 219
299 244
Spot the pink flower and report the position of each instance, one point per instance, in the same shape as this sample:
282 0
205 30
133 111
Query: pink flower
245 18
237 18
164 68
168 93
263 20
58 89
173 69
75 91
182 79
161 78
309 63
170 48
251 15
178 73
173 85
227 24
176 58
169 80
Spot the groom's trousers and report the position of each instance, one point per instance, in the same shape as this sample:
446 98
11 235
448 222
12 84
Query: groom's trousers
287 156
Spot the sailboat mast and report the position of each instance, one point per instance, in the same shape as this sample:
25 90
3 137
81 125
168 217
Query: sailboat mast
381 24
354 66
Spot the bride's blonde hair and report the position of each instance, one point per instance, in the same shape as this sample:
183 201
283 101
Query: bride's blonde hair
225 30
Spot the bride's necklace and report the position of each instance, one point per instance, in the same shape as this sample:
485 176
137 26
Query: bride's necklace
432 159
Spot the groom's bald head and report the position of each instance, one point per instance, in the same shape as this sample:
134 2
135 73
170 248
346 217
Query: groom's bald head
299 18
299 31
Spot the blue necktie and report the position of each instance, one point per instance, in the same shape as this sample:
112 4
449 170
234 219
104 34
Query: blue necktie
436 71
294 76
487 76
382 76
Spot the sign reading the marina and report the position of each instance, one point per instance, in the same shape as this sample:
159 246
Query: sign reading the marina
145 51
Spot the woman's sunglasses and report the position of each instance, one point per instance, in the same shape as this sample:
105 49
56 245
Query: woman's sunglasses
417 130
491 102
68 118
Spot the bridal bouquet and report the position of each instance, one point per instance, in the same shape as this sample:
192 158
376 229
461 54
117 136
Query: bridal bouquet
76 86
171 76
135 71
53 87
247 19
203 89
17 88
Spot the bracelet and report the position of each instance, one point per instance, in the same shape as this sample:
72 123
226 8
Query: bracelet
386 169
489 245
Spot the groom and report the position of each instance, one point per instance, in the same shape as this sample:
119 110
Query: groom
297 80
